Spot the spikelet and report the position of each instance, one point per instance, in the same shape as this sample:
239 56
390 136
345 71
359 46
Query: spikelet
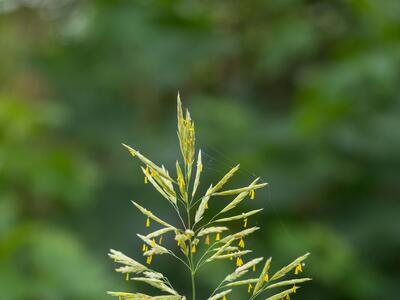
167 185
134 266
239 198
221 249
148 162
181 241
220 295
181 182
228 249
152 216
160 185
224 179
136 296
186 135
229 255
250 264
157 283
159 189
233 276
288 282
209 230
283 294
240 234
202 207
242 282
139 296
264 273
159 232
153 274
243 268
241 190
198 172
156 249
282 272
238 217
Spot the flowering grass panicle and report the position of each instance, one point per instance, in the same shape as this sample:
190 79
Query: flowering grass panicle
199 225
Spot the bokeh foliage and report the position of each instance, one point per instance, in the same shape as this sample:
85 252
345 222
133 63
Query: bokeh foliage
310 88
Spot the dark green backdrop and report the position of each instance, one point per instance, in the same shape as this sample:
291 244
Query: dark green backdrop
304 94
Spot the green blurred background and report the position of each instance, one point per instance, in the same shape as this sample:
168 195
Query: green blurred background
304 94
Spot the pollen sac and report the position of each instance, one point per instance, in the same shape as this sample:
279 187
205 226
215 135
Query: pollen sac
239 262
149 259
298 269
252 194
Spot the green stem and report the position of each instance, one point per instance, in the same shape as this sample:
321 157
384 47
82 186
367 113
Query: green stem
193 286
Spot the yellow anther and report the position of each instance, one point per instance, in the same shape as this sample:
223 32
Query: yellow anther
181 183
254 268
160 240
266 277
239 262
294 289
145 176
298 269
144 247
153 243
148 222
287 297
206 206
224 298
201 167
218 237
149 259
207 240
127 277
241 243
252 194
249 288
193 248
245 223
